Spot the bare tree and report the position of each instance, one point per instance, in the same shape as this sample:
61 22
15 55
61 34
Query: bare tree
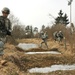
14 20
18 31
17 28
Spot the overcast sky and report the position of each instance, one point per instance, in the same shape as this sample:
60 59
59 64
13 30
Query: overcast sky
36 12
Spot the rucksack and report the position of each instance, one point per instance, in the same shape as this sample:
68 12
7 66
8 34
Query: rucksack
60 35
2 24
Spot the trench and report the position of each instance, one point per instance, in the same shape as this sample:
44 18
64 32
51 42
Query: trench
26 46
52 68
46 52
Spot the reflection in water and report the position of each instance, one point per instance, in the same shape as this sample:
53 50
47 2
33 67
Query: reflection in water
26 46
52 68
47 52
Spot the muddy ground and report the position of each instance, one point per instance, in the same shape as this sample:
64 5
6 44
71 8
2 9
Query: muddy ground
16 62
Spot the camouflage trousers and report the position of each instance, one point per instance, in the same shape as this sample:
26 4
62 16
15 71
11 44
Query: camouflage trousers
2 42
45 42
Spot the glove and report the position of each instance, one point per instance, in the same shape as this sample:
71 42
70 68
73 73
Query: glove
9 32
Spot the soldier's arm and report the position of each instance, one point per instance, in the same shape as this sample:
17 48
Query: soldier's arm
9 28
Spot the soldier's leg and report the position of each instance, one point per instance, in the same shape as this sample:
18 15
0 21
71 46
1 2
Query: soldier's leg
1 48
46 43
42 43
2 43
56 39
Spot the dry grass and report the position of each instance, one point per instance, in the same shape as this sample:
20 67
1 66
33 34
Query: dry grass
19 62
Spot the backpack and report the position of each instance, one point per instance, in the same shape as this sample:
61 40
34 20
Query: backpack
60 35
2 24
3 27
55 35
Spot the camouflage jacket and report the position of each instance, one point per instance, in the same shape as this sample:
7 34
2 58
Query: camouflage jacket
44 36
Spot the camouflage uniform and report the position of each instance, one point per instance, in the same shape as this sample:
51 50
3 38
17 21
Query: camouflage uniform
5 29
60 36
55 35
44 37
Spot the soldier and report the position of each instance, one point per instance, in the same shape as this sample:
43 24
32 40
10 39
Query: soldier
5 28
60 36
44 37
55 35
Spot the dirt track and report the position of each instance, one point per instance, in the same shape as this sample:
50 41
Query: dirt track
17 63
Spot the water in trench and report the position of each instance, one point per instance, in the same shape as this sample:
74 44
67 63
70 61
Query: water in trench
52 68
26 46
46 52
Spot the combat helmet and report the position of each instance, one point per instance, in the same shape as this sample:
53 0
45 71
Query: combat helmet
6 10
